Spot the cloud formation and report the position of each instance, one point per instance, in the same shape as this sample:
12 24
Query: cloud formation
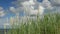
29 6
49 5
16 10
53 2
1 12
12 9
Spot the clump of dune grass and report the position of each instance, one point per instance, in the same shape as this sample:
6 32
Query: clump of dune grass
50 24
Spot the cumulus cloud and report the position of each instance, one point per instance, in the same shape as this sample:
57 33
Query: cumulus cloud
50 2
18 2
12 9
45 3
16 10
1 12
32 5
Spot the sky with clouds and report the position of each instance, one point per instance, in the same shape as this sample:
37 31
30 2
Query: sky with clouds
4 11
9 8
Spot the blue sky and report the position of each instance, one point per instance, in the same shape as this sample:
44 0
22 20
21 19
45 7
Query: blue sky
6 3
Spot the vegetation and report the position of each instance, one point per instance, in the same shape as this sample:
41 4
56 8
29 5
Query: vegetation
50 24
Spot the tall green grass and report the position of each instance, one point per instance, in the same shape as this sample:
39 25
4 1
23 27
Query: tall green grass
50 24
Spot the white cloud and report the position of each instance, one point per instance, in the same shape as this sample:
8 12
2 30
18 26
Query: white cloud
16 10
25 4
1 12
29 8
12 9
52 2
